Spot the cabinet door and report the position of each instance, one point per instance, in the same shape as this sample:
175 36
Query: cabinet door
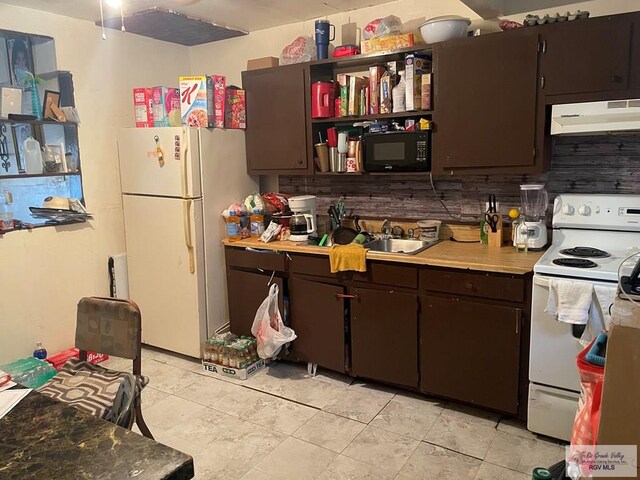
317 316
276 133
384 336
470 351
246 293
586 56
485 111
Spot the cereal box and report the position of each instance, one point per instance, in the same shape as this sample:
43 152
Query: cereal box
375 73
387 43
415 66
235 108
425 103
219 87
166 107
196 101
143 105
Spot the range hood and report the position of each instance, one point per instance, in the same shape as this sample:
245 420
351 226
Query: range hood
611 116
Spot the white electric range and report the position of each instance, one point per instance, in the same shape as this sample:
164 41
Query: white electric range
592 237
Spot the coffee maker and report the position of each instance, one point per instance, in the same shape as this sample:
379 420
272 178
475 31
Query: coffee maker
534 200
303 220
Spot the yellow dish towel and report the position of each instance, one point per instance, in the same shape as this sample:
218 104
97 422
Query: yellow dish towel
348 257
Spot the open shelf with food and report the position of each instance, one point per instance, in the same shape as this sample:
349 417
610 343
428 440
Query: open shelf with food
379 116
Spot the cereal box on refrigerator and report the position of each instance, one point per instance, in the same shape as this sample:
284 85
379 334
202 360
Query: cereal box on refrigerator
219 87
143 105
166 107
196 101
235 108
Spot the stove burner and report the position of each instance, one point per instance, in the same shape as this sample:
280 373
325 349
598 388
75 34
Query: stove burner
585 252
575 262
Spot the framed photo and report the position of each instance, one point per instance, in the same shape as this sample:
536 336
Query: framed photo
54 160
50 98
20 59
5 73
21 131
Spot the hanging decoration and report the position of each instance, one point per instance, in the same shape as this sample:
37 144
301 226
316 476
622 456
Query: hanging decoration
4 148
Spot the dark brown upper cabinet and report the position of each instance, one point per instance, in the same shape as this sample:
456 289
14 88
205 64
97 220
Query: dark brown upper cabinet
276 136
485 110
586 56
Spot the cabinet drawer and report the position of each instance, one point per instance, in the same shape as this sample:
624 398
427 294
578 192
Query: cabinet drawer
389 274
475 284
269 261
311 265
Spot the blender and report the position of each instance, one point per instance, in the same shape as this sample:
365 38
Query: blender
535 201
303 220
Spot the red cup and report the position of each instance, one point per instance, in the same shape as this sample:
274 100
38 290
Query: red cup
332 136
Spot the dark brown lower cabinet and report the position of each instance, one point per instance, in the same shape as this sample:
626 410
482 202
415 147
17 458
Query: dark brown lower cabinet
384 336
317 316
470 351
247 291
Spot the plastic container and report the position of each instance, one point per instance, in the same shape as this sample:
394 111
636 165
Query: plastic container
429 230
233 226
6 215
29 372
32 156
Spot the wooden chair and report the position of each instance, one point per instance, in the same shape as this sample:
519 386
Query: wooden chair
112 326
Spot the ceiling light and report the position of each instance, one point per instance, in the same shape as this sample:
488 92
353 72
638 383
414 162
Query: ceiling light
114 3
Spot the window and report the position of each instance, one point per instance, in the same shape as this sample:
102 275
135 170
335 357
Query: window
39 157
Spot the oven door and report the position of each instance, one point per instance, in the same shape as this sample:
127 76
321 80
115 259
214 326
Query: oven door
554 344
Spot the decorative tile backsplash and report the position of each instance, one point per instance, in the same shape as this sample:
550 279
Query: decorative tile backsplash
580 164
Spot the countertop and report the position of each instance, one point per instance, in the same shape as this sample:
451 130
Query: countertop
472 256
43 438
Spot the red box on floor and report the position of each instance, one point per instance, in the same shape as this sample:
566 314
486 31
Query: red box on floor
59 359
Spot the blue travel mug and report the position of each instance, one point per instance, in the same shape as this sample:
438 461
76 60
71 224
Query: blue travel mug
323 38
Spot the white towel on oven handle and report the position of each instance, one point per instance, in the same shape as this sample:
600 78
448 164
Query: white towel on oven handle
569 301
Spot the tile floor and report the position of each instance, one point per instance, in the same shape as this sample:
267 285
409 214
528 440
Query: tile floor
283 425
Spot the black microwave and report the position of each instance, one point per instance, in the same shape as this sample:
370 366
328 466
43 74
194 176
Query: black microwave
399 151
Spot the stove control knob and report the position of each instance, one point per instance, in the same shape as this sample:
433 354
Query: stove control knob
584 210
567 209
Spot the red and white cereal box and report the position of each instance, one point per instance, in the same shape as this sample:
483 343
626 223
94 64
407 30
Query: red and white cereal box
143 105
235 108
196 101
219 87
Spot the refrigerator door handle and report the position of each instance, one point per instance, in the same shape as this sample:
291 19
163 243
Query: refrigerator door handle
184 150
187 233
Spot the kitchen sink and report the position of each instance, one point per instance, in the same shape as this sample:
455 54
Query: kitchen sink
399 245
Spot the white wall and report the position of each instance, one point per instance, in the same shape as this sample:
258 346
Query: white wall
43 273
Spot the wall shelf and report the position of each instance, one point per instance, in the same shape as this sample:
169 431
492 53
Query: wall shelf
380 116
371 58
37 175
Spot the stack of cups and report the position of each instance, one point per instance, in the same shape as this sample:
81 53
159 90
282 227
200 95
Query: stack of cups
343 148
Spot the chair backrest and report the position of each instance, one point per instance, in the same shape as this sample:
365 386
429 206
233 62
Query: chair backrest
109 325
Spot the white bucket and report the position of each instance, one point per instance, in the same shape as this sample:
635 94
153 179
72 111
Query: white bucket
429 229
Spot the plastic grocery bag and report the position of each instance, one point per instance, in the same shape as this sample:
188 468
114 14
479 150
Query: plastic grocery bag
587 420
268 328
302 49
381 27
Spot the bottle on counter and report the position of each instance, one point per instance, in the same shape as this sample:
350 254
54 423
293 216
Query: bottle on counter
257 223
40 352
233 226
6 215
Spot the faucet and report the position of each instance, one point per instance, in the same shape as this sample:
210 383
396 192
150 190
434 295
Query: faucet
386 227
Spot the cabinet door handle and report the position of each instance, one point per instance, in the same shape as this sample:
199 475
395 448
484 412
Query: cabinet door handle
518 318
468 286
542 82
343 295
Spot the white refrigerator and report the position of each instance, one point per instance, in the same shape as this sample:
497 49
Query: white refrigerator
175 182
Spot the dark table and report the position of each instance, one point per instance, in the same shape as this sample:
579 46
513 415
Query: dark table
42 439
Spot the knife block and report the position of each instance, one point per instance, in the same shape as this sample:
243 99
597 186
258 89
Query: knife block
494 239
